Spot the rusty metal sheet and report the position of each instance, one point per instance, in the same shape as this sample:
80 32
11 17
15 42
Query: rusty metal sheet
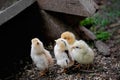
76 7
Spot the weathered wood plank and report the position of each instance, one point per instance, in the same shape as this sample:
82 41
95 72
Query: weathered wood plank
2 2
53 26
6 3
86 33
75 7
14 9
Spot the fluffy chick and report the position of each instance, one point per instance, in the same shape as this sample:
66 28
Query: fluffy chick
82 53
69 36
71 39
62 54
40 56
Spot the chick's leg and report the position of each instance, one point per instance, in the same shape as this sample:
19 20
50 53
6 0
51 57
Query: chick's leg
88 66
77 66
43 73
64 70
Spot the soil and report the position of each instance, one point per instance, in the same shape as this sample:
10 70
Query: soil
103 68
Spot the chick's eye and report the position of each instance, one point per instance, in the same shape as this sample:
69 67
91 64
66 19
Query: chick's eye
77 47
68 38
37 43
65 38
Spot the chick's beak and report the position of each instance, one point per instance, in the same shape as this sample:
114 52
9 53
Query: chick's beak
55 40
72 48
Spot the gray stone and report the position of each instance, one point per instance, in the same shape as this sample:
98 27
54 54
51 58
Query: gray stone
102 48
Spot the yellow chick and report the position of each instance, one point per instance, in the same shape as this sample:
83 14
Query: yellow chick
40 56
82 53
62 54
69 36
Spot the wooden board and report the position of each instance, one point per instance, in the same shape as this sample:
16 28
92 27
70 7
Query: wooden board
13 9
75 7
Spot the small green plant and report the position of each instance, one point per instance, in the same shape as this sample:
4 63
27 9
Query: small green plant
108 14
87 21
95 20
103 35
100 20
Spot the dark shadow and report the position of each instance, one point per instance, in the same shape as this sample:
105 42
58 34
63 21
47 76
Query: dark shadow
15 40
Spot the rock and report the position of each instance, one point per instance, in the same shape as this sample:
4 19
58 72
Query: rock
102 48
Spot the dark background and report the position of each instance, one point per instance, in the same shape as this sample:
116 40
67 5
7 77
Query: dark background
15 40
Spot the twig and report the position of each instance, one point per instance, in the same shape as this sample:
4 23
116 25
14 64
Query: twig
115 24
87 71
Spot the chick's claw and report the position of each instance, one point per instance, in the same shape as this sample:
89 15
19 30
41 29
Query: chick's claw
88 66
76 67
64 70
42 73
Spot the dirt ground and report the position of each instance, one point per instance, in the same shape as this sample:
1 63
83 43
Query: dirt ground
103 68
